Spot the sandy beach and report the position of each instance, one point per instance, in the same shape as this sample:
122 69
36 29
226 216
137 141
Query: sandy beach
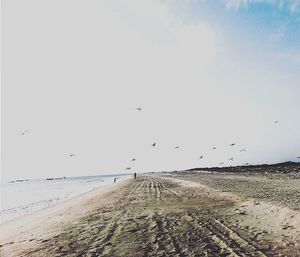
185 214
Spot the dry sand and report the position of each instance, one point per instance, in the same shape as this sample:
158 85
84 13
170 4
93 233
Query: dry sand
183 215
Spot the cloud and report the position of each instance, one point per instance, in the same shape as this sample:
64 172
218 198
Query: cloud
81 77
106 58
236 4
157 44
291 5
276 37
294 6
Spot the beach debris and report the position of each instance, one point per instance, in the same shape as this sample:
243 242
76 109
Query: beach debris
58 178
240 212
154 144
24 132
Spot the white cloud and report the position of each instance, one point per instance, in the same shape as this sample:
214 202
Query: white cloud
275 38
292 5
87 72
74 82
236 4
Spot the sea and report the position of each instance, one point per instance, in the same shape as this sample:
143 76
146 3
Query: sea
22 197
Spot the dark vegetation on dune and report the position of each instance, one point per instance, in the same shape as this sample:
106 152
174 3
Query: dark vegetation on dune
282 168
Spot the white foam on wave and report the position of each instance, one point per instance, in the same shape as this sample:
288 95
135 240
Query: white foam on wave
21 198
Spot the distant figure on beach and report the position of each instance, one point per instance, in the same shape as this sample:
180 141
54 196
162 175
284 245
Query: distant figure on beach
134 175
24 132
115 180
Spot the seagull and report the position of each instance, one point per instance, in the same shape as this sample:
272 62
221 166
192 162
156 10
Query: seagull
176 147
247 163
214 148
221 163
233 144
230 159
128 168
154 144
138 108
24 132
298 157
276 121
243 150
133 159
201 157
72 155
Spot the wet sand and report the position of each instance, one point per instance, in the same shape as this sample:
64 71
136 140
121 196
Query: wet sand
190 214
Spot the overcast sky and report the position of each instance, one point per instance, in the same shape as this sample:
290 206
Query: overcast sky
206 74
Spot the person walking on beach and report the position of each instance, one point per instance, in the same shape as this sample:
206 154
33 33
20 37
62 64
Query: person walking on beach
115 180
134 175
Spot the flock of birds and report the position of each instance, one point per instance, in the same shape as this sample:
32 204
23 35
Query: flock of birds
72 155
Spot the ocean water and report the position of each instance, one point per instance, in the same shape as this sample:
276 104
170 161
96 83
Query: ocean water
21 198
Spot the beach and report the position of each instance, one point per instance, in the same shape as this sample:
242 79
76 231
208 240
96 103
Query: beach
167 214
22 197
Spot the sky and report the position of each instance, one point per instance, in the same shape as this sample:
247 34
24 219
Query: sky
205 73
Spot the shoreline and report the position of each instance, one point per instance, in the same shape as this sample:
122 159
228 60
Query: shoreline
191 214
26 227
54 195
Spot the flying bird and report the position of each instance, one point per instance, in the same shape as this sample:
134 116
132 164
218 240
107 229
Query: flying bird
247 163
233 144
72 155
276 121
133 159
201 157
214 148
230 159
154 144
243 150
24 132
128 168
221 163
176 147
298 157
138 108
